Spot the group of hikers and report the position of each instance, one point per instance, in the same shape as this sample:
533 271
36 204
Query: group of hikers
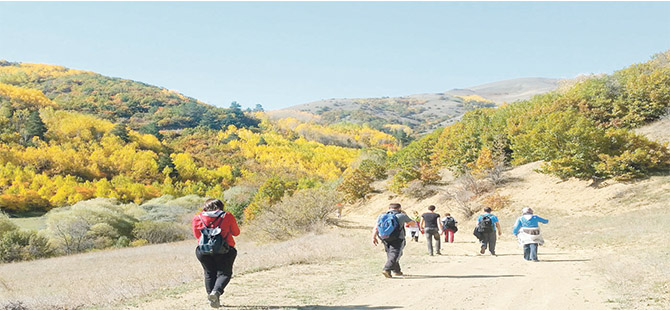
390 230
214 228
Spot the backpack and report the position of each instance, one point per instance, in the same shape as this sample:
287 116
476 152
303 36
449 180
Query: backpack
449 223
485 225
388 227
211 242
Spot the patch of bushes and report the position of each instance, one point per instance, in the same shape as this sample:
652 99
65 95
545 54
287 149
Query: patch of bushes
160 232
18 245
95 223
305 211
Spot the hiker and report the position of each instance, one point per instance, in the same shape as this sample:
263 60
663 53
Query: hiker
487 225
413 227
218 268
390 228
449 226
527 231
431 225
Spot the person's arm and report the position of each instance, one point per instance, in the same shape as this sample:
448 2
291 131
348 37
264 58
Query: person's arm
374 235
196 226
234 228
498 228
517 225
542 220
423 222
439 225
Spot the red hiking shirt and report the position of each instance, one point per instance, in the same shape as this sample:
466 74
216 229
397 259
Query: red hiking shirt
226 222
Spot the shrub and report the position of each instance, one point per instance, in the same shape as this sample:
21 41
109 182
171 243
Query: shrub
160 232
6 224
103 235
18 245
237 198
306 211
416 189
355 185
14 305
402 179
373 168
496 201
122 242
139 242
70 227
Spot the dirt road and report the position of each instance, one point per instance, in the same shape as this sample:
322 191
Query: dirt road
460 279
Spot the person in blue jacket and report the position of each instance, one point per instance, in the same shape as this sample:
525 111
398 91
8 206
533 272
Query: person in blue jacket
527 231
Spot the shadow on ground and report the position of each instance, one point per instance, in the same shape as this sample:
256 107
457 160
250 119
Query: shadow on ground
563 260
474 276
314 307
351 225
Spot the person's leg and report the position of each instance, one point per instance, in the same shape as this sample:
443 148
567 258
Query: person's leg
438 242
492 243
209 268
393 252
225 270
451 236
485 242
526 251
396 267
429 240
533 251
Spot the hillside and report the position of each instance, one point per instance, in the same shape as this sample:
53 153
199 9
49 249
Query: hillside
599 245
424 112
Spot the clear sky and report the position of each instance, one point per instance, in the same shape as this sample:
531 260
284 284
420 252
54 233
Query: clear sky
281 54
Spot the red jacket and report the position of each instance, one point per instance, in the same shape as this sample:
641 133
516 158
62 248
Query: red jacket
226 222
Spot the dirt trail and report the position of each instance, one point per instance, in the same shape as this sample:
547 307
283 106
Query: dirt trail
561 280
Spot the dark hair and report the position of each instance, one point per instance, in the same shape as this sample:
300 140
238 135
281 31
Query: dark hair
431 208
487 209
394 206
212 204
447 214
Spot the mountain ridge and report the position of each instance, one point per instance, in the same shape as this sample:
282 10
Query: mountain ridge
424 112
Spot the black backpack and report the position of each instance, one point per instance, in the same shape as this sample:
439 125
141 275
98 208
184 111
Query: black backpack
450 223
211 242
485 225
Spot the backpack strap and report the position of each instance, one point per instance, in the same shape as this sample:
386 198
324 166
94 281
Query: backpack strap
214 221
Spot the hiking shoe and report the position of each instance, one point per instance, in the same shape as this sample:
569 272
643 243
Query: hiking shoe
438 253
399 273
387 273
483 250
213 298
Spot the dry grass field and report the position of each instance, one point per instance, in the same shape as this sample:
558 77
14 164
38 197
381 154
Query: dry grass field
100 279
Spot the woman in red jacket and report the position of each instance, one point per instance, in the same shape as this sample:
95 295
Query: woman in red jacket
218 267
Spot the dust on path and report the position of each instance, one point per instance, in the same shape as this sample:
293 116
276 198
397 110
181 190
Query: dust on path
461 279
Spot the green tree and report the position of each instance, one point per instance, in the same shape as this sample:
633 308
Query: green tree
34 127
121 131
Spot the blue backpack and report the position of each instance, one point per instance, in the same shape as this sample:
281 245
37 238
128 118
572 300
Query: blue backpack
388 227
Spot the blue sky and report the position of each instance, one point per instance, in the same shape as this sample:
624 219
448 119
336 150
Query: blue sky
280 54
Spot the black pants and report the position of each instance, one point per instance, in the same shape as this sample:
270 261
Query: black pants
489 239
218 269
393 254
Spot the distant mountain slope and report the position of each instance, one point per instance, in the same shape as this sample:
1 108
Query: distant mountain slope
423 112
117 99
510 90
